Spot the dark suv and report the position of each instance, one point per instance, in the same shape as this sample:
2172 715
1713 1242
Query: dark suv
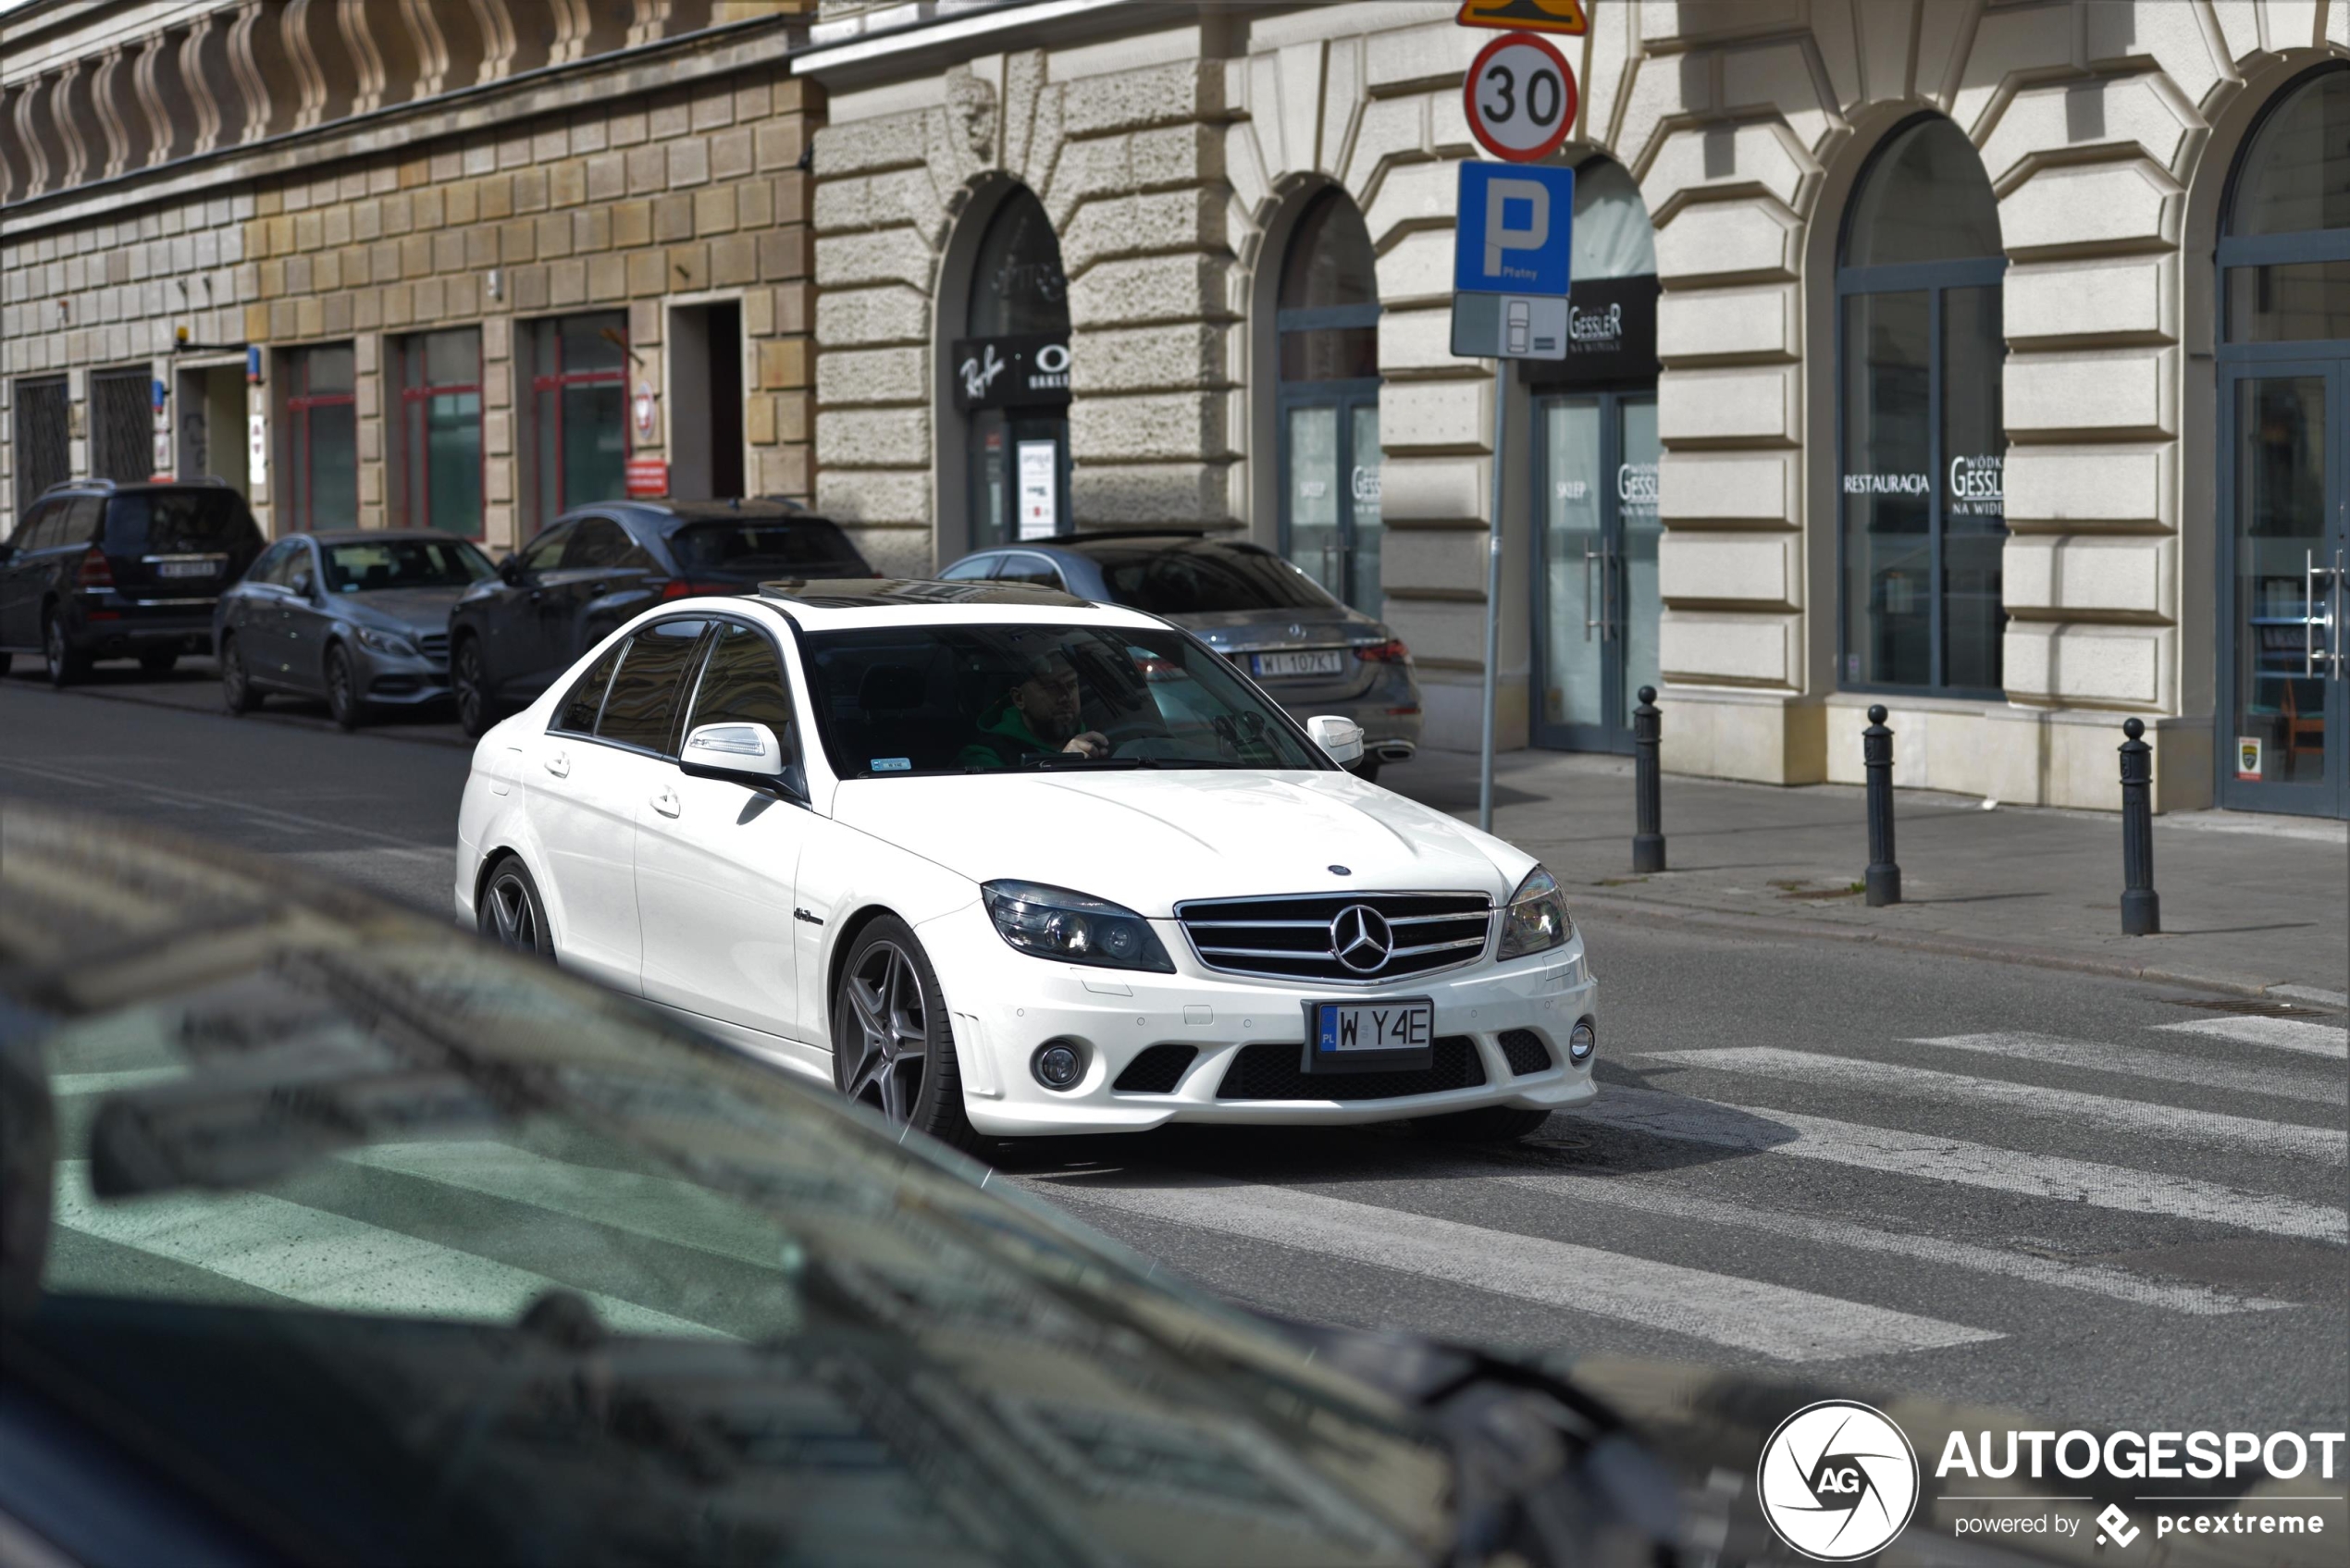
593 568
97 570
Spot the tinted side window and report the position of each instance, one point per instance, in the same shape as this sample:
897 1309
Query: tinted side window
277 562
81 523
542 552
599 541
1031 568
586 699
35 524
643 701
743 682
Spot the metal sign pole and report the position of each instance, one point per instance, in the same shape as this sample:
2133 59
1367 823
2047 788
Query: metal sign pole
1501 377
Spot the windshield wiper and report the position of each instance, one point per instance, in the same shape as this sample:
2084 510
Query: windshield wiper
1048 760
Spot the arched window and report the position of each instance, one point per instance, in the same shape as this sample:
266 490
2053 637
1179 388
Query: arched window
1922 441
1327 319
1613 235
2284 486
1011 377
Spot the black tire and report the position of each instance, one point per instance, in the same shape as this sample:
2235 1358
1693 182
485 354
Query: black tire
511 914
5 660
1487 1123
158 661
238 693
62 665
470 683
342 691
888 1057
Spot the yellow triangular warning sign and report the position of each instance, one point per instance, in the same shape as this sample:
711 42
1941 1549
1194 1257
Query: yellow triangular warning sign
1532 16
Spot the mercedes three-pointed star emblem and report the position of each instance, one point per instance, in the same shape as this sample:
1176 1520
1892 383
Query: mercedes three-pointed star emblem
1361 939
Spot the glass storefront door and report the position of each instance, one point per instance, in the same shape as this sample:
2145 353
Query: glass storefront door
1596 601
1331 494
2284 703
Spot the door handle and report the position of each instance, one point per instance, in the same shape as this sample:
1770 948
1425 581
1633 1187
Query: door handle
2309 570
559 765
1589 552
2334 616
667 803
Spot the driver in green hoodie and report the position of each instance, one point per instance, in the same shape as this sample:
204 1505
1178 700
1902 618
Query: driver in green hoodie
1039 715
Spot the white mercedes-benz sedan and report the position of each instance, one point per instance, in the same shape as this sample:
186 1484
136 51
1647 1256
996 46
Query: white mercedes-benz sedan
1000 863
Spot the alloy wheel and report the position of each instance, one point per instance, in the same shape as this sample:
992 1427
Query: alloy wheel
54 653
341 701
473 706
236 689
514 919
892 1043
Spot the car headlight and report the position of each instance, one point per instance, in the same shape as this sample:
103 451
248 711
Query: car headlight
1536 920
386 642
1053 922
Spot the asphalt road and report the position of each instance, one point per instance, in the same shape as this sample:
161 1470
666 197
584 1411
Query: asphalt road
2095 1201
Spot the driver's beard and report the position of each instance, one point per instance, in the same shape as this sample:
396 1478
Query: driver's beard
1050 722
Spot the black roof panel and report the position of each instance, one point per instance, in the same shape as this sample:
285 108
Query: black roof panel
878 593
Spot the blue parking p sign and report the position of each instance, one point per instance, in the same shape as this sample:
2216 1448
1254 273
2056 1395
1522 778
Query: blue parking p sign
1515 229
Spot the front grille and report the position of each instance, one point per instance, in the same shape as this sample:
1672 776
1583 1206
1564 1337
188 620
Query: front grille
1271 1072
1157 1070
1525 1051
1298 937
433 645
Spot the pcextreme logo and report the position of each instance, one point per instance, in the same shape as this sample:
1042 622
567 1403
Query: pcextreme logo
1838 1480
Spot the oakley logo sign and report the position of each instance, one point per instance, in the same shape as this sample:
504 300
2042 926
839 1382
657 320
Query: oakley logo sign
1361 938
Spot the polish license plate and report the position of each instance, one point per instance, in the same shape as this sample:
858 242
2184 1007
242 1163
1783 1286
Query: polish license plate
1327 662
186 568
1383 1035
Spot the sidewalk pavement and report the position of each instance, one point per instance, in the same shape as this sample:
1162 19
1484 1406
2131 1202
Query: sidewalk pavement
2252 904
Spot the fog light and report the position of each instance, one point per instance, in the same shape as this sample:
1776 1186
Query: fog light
1582 1042
1058 1064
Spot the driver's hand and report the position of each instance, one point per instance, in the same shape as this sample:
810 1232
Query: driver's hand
1093 742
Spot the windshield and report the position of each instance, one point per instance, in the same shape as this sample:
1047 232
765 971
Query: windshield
488 1266
1209 580
912 699
179 522
804 547
404 563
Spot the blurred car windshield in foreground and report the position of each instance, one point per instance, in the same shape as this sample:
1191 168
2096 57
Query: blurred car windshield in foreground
404 563
389 1246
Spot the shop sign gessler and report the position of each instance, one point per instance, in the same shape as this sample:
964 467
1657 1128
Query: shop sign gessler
1017 372
1611 335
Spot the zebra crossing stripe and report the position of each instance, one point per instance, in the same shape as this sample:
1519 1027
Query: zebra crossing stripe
2310 1084
323 1259
1932 1158
1748 1314
2196 1301
2326 1145
2283 1034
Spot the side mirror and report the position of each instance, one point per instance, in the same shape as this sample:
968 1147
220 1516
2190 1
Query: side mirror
301 582
1340 738
745 753
510 570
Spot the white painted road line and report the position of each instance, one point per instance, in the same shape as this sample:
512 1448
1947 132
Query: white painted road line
325 1260
1934 1158
2283 1034
2326 1145
1772 1320
2196 1301
2312 1084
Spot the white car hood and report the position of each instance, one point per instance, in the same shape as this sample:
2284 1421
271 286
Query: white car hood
1150 840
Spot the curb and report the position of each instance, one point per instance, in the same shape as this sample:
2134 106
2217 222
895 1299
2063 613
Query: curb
1948 946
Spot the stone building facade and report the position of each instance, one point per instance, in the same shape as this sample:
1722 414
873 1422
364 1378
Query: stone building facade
1938 411
405 262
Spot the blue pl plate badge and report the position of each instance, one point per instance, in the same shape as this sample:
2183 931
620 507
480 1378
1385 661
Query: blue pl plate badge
892 764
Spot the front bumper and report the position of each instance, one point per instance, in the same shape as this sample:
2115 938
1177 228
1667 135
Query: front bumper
398 680
1005 1004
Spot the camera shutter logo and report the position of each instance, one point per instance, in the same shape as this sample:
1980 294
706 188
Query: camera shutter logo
1838 1481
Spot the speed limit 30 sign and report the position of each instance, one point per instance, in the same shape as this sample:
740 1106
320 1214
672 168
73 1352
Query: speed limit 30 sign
1521 97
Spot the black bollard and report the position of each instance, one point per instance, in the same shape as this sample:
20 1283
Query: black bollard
1884 877
2141 906
1648 836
